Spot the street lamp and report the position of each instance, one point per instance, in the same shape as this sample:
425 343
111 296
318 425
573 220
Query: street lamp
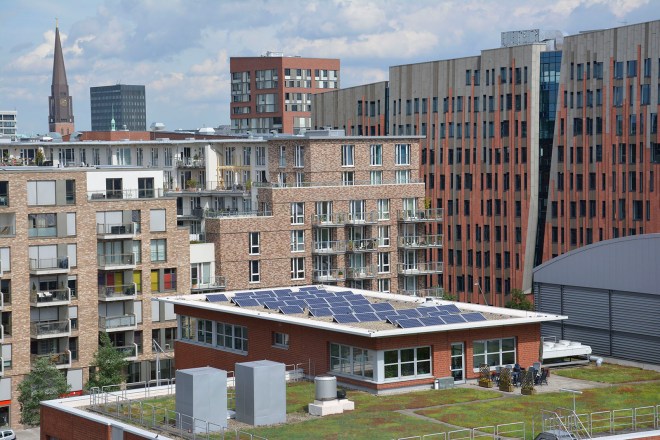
482 293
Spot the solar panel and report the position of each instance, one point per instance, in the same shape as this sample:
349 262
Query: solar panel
359 302
380 307
316 301
392 319
308 288
281 291
262 293
320 311
324 294
274 305
473 317
246 302
413 313
262 299
288 310
409 323
345 319
453 319
431 320
336 300
451 308
216 297
296 302
367 317
438 313
341 310
362 309
345 293
387 313
239 294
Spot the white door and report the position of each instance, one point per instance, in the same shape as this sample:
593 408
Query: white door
458 362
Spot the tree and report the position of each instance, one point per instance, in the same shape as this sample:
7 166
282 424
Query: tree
109 363
45 382
519 301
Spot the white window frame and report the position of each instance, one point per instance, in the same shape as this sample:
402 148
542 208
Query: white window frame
384 285
254 243
351 361
376 157
298 268
384 262
299 156
282 157
489 353
357 210
402 176
348 178
280 340
298 240
158 248
348 155
237 338
383 236
297 213
415 363
376 177
402 154
383 209
254 271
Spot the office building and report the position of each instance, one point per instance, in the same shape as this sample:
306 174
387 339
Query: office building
532 150
8 124
272 93
118 107
60 103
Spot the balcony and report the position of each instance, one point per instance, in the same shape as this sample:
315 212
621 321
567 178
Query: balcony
360 273
50 329
420 215
189 162
129 352
45 231
329 220
46 266
363 245
50 298
240 188
116 261
118 292
60 360
433 291
362 218
420 241
7 231
329 247
328 275
218 283
125 194
420 268
117 323
115 231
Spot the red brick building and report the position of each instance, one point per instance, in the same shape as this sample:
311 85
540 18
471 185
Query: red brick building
405 345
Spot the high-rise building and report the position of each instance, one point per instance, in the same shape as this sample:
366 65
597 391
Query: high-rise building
532 149
8 123
118 107
273 92
60 104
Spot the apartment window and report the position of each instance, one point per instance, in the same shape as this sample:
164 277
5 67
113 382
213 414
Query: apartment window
282 157
297 213
253 243
384 285
348 178
383 262
159 250
280 340
231 337
402 154
255 277
299 156
347 152
376 177
41 192
260 154
407 362
351 361
383 209
205 331
356 210
494 352
402 176
645 94
298 240
376 155
383 236
298 268
632 68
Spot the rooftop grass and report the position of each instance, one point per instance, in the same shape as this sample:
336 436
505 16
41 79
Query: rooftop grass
608 373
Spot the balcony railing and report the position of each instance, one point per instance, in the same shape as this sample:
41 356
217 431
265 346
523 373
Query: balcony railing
328 275
60 360
189 162
219 282
236 214
114 194
128 351
328 220
361 218
45 231
329 247
420 215
360 273
363 245
336 183
420 241
117 322
118 292
50 297
7 230
50 329
116 260
116 229
60 264
434 291
420 268
240 187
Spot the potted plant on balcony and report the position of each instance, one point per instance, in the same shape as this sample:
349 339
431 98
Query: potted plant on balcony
191 184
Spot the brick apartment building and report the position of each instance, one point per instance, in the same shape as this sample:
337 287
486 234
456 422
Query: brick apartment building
83 251
531 150
273 92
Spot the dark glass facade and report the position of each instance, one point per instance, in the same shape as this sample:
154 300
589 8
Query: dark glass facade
126 103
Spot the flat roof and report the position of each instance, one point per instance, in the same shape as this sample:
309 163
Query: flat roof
358 312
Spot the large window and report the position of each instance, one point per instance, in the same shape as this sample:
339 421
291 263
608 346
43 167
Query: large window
188 324
376 155
231 337
494 352
347 159
254 243
298 240
297 213
351 361
41 192
254 271
402 156
407 362
205 331
298 268
383 209
159 250
299 156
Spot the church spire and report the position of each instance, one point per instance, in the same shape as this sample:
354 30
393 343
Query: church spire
60 113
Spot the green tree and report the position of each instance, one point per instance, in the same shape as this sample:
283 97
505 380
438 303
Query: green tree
449 296
45 382
109 363
519 301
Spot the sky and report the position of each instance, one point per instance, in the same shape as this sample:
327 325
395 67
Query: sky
180 49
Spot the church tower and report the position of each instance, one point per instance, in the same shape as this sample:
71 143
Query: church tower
60 106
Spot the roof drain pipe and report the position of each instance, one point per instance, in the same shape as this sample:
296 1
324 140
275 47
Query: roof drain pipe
597 360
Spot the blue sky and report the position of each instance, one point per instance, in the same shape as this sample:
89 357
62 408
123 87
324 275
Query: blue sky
180 49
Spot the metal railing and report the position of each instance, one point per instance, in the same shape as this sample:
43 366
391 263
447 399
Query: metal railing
361 218
362 245
420 241
128 351
44 231
116 260
45 298
419 268
329 247
360 273
115 322
49 263
240 187
218 282
189 162
508 430
116 228
50 328
328 275
419 215
433 291
118 291
279 185
236 213
336 219
57 359
114 194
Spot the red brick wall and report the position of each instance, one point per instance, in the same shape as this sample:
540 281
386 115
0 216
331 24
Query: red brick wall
62 425
309 344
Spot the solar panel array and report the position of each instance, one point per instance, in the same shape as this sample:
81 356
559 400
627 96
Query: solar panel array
347 307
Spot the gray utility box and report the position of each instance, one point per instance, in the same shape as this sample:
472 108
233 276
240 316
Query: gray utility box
201 396
260 392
